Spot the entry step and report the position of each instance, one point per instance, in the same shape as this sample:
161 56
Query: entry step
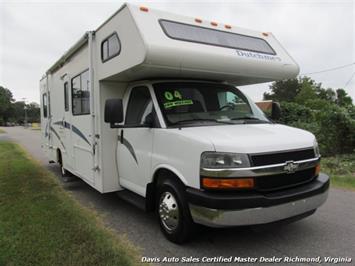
132 198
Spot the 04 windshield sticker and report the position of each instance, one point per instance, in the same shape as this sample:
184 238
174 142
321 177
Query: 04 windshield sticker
175 99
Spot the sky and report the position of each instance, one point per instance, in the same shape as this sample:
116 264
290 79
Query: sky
319 35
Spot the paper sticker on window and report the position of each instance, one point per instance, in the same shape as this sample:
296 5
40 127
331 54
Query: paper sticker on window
177 103
170 96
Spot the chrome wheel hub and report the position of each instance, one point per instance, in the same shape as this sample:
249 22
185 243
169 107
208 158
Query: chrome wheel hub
169 211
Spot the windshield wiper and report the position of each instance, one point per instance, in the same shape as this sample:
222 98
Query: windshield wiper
250 118
200 120
245 118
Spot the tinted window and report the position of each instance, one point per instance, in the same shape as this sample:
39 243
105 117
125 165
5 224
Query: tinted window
66 97
110 47
182 103
113 45
139 106
81 94
45 105
186 32
85 92
105 50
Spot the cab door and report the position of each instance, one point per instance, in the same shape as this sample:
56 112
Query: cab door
134 153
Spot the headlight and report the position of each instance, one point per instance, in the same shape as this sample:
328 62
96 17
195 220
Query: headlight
224 160
316 149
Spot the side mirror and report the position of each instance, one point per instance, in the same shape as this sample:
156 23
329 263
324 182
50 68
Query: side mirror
113 111
275 111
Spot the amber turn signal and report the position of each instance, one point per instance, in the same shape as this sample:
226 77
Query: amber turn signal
317 171
217 183
144 9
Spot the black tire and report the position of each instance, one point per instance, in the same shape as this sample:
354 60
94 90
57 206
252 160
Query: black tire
66 175
181 226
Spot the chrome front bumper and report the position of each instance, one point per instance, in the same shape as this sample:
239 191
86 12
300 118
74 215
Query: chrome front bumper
259 215
225 218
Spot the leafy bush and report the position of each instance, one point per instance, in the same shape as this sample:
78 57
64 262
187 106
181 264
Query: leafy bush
329 114
337 130
333 126
293 112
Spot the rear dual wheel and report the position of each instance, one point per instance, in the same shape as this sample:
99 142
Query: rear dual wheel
66 175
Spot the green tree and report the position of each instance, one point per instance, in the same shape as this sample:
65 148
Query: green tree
283 90
343 99
33 112
6 99
326 94
306 93
327 113
18 112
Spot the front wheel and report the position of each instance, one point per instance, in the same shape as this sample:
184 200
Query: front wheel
173 212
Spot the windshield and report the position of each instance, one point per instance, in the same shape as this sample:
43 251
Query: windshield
200 103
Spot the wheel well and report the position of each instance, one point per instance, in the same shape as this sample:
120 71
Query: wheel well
59 156
159 176
164 173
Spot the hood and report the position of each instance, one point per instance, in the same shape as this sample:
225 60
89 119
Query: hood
253 138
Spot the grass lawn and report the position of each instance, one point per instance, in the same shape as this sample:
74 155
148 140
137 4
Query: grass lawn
41 224
341 169
2 131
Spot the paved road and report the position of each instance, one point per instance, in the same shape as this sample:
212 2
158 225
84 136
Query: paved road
329 232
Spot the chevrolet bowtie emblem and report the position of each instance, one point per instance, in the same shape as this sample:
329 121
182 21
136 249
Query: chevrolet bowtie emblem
290 167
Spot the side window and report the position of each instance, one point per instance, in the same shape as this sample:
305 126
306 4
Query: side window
110 47
139 106
81 94
45 105
85 93
229 100
66 96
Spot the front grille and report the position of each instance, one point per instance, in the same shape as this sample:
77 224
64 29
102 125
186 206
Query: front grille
280 181
281 157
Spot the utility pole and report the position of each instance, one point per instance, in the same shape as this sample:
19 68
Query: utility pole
25 122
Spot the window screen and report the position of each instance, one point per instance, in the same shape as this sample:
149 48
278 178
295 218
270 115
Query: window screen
45 105
113 45
191 33
81 94
110 47
66 97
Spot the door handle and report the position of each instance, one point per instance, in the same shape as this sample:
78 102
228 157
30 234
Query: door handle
121 140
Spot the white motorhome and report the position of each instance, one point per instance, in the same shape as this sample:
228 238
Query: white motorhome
147 106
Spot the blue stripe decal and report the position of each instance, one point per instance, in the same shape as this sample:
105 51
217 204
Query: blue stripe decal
80 134
74 128
57 135
129 147
60 123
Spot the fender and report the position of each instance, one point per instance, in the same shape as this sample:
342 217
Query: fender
170 168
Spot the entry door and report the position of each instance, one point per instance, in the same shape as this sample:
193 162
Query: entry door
136 142
45 121
65 127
